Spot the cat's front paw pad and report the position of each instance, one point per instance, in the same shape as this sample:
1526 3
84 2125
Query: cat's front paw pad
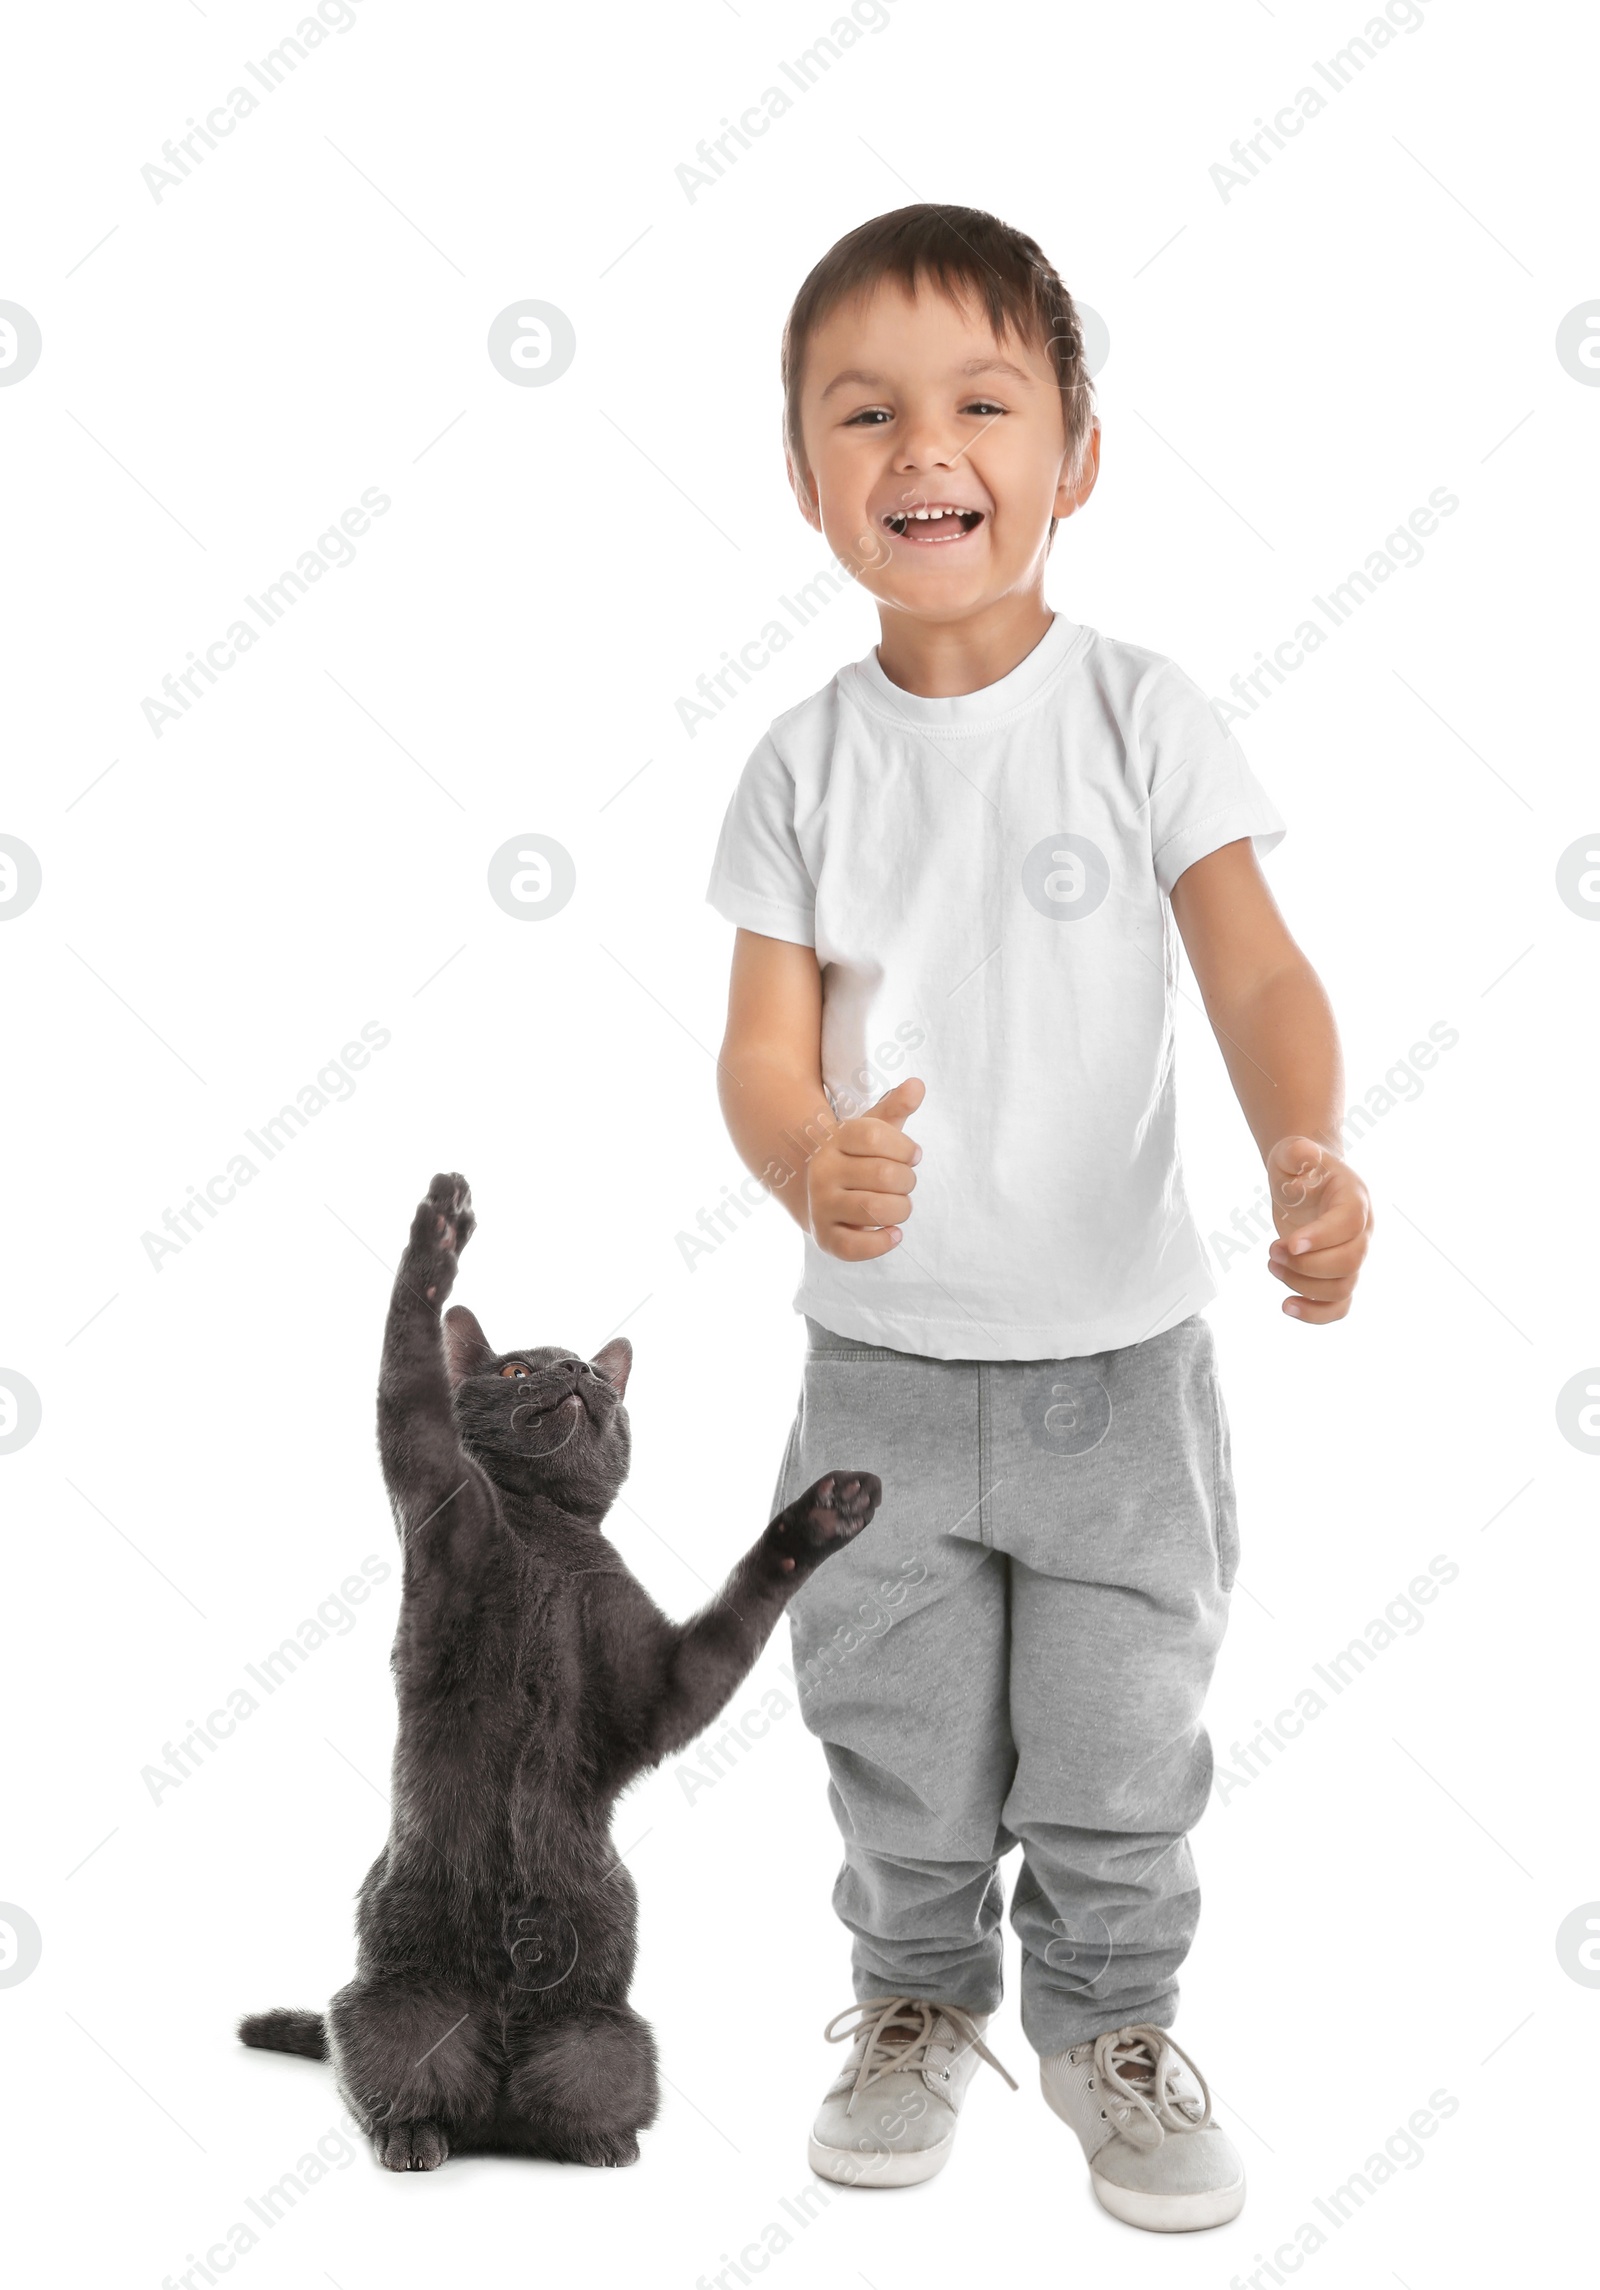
823 1519
441 1229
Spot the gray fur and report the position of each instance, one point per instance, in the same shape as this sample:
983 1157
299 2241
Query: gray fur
535 1679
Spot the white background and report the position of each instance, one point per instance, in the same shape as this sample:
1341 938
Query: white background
1292 370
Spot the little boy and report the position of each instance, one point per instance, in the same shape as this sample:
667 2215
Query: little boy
956 871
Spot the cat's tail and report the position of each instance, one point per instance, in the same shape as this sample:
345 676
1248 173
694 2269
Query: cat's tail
302 2032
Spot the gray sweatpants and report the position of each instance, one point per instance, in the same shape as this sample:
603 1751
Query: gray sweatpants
1016 1653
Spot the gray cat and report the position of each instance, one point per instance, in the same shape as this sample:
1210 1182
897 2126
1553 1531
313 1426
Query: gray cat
535 1679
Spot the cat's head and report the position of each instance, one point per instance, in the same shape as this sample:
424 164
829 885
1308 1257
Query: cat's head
542 1420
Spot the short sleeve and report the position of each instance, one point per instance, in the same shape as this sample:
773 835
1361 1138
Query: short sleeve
1202 792
759 878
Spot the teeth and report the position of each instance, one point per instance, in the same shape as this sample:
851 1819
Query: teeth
927 516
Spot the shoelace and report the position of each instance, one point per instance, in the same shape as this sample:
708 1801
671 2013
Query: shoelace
881 2057
1146 2110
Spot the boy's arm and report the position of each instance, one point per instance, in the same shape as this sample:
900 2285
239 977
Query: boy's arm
1276 1030
846 1183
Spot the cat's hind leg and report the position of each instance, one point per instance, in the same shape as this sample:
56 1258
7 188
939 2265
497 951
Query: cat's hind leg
581 2089
416 2066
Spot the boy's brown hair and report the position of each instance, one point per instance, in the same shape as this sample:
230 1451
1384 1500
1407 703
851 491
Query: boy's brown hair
964 252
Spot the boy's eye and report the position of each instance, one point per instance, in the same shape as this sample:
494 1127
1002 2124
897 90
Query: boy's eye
873 417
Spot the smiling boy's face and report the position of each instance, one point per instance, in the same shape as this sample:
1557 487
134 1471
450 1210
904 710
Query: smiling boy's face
937 454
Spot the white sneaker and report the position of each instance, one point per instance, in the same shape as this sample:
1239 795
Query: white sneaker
1156 2159
889 2118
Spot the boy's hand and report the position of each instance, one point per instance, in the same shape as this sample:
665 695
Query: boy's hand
1323 1213
858 1183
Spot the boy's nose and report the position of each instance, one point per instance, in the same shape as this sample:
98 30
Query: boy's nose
926 442
926 449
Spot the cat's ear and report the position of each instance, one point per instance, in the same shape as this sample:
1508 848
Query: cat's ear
467 1350
614 1361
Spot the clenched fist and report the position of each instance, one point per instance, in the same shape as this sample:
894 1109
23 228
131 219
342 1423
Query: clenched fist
858 1183
1323 1213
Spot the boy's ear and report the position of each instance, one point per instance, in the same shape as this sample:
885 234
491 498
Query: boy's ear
614 1361
467 1350
1075 488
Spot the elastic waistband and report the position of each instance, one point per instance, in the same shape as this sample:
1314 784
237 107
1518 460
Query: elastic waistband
1194 1329
821 1339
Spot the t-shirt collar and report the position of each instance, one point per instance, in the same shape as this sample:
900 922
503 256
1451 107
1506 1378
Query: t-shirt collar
1001 698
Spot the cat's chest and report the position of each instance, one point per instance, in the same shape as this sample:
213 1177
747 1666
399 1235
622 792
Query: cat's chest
554 1665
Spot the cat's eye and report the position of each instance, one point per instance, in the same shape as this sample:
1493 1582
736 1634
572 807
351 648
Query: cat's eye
516 1368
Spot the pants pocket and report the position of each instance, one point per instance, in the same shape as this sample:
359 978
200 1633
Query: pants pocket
912 1422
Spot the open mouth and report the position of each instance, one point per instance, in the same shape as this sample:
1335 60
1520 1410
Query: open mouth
939 522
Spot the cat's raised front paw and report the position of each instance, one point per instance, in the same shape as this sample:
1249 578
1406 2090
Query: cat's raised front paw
823 1520
440 1230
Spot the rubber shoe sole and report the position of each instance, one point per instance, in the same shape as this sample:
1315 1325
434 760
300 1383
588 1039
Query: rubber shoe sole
851 2167
1162 2214
1169 2214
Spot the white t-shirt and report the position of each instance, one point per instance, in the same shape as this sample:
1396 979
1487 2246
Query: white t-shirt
985 881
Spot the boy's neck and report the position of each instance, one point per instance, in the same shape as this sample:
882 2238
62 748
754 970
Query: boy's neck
939 660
